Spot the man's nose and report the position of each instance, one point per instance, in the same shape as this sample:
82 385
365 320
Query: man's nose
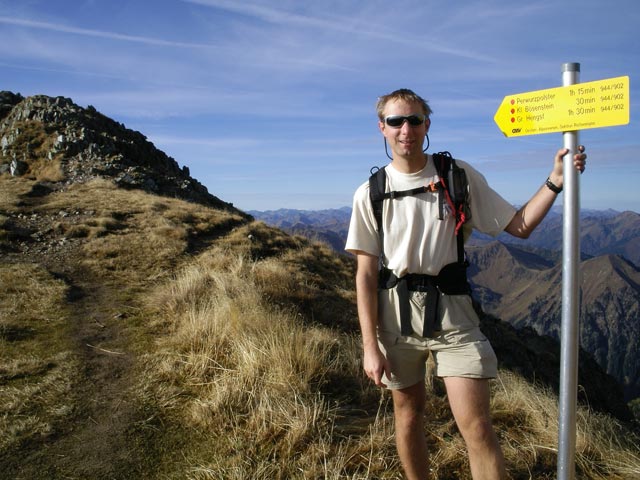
405 127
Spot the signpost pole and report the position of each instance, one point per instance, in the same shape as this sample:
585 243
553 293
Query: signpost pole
570 299
567 109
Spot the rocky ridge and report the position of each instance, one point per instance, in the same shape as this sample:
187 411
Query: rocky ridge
58 142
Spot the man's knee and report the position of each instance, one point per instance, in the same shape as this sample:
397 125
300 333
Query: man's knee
408 420
409 404
478 432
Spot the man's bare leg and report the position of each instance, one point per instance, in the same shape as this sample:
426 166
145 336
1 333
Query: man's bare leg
469 400
409 404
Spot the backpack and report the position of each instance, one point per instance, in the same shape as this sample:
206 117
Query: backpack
454 191
451 280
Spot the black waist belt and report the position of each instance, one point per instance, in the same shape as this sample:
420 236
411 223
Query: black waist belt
452 280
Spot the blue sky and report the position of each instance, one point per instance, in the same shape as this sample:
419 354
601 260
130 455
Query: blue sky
271 104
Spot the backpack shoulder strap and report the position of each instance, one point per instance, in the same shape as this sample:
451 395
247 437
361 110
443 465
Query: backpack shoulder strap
453 188
442 162
456 192
377 187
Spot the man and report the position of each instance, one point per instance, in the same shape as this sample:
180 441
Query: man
417 238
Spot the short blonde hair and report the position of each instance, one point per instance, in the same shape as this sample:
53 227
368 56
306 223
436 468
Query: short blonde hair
405 95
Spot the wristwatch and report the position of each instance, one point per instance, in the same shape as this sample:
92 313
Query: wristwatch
552 186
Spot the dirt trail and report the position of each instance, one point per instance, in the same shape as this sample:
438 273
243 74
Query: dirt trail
103 440
97 445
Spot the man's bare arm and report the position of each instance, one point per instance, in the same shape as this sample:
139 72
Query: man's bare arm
533 212
375 364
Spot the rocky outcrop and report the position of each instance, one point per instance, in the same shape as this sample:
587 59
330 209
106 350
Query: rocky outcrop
7 101
57 141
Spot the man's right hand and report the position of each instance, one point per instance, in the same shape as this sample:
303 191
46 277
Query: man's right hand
375 365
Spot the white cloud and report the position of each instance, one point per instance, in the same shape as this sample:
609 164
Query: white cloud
62 28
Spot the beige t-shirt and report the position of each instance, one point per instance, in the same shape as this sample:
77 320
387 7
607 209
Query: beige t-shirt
415 239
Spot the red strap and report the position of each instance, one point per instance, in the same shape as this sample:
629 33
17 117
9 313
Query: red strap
459 213
462 218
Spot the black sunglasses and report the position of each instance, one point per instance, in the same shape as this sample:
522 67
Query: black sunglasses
398 120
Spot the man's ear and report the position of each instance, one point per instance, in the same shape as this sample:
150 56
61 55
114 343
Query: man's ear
381 126
427 124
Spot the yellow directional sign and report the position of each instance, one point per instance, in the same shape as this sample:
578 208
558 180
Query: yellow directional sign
603 103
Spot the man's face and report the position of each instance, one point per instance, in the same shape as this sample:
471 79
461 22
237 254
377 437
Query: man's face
406 140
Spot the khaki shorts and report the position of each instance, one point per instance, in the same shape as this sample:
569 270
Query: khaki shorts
459 350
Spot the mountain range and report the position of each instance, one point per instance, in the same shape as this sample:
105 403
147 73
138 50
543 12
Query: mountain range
520 281
601 231
525 289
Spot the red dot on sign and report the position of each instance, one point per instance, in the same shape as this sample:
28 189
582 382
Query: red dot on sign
513 110
513 119
512 101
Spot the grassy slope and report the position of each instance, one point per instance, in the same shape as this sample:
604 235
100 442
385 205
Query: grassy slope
146 337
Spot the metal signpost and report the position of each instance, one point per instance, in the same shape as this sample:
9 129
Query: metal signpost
570 331
568 109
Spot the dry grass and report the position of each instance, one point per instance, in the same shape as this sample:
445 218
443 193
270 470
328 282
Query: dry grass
261 376
131 235
236 354
33 144
37 367
257 373
12 188
527 416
